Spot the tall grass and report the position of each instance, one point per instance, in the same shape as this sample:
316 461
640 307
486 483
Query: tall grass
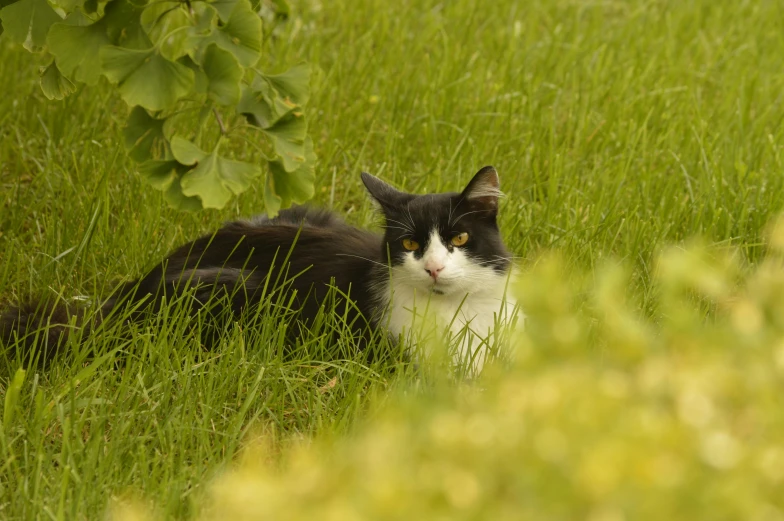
618 128
604 415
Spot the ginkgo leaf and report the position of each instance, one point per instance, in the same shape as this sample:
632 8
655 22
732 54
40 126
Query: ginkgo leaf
224 8
158 173
272 201
288 138
53 84
175 197
292 85
198 36
200 79
186 152
28 21
146 78
66 5
224 75
282 9
164 23
255 108
295 186
166 176
143 135
75 49
241 34
76 18
214 179
123 21
261 105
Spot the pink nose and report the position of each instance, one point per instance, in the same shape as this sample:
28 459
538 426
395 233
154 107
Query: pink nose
434 271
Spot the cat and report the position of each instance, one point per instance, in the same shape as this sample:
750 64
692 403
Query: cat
440 267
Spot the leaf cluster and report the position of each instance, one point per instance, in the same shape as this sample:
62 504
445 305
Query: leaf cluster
203 116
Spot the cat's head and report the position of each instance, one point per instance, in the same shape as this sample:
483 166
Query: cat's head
445 243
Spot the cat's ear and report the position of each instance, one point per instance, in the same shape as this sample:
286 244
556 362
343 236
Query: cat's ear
383 193
484 190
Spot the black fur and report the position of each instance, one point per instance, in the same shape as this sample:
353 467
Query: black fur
41 326
413 217
303 250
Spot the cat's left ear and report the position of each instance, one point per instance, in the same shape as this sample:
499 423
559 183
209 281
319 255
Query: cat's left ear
484 190
387 196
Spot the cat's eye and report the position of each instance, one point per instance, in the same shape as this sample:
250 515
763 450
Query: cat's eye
410 245
460 239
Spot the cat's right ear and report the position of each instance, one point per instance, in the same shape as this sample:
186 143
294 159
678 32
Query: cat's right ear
383 193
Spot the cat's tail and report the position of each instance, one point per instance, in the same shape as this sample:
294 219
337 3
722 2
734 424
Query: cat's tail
38 330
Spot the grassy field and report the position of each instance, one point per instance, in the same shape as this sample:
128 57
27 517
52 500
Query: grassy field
618 128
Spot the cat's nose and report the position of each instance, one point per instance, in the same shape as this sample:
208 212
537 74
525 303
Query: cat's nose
434 271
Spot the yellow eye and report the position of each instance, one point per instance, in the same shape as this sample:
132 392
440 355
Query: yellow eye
410 245
460 239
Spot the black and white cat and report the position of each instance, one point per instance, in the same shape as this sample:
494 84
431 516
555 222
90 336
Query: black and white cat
440 268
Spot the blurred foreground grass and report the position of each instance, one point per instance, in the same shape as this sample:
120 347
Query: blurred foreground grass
604 415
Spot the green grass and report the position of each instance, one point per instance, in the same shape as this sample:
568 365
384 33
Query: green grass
617 128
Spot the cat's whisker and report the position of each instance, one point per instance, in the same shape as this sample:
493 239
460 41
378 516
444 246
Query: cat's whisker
489 263
397 228
463 215
405 226
363 258
410 217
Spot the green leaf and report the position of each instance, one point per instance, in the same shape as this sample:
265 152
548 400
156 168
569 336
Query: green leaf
201 81
76 18
272 200
282 9
292 85
143 135
54 84
215 178
295 186
177 199
4 3
254 106
67 6
75 49
262 105
165 176
288 138
28 21
123 21
158 173
146 78
186 152
199 35
224 74
164 22
224 8
241 34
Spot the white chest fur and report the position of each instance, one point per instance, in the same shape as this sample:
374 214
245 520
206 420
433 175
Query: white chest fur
467 324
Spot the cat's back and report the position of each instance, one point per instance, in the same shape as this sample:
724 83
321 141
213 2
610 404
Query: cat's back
305 237
297 216
305 250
